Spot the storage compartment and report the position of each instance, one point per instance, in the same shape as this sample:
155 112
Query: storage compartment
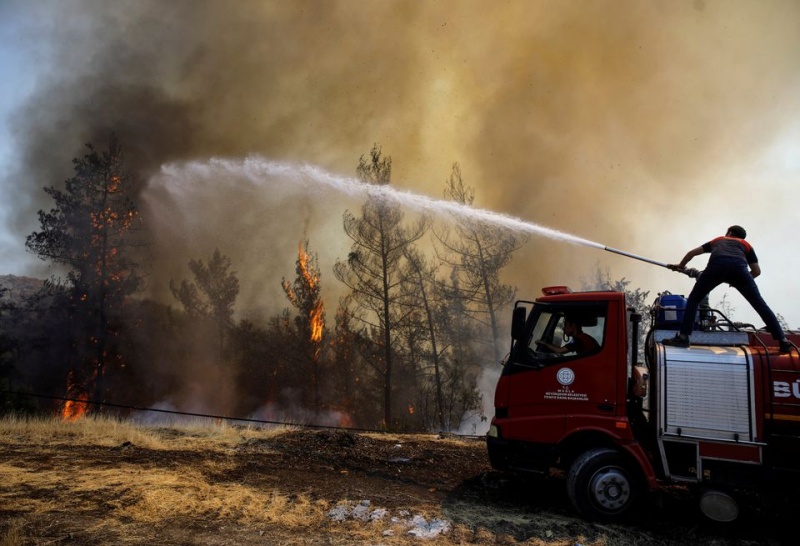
681 459
707 393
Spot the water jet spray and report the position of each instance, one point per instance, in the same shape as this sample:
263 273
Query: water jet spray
259 171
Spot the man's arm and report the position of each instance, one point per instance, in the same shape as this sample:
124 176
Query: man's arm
689 255
554 348
755 269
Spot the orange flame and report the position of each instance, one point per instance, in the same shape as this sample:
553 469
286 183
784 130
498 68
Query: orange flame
75 409
345 421
317 323
77 406
109 221
316 319
411 409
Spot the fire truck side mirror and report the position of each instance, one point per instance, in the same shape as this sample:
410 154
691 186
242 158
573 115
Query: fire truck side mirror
518 323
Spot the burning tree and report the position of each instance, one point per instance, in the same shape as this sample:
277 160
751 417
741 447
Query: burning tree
304 295
373 269
89 231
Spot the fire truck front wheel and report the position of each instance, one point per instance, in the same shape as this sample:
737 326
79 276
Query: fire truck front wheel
601 486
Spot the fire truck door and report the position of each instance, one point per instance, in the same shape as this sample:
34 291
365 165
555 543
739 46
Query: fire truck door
564 385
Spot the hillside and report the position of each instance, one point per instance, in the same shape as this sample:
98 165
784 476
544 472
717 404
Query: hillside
18 287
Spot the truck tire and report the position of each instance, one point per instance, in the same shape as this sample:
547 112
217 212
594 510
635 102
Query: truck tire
601 486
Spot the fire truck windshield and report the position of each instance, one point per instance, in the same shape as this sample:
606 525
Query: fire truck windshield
561 331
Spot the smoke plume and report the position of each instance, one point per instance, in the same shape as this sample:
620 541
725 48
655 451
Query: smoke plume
598 118
561 113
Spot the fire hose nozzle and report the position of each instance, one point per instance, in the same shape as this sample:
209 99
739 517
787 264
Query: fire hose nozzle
692 272
689 271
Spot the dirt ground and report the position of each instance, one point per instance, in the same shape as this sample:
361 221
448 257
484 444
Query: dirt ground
319 488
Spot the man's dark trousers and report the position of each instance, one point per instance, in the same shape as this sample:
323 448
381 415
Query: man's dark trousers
736 273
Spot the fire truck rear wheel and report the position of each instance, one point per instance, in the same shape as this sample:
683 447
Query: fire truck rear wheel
601 485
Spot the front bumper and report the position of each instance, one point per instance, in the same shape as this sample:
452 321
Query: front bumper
519 456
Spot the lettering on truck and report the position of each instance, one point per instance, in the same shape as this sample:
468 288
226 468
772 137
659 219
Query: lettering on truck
784 389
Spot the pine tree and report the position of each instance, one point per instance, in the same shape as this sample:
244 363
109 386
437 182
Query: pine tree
90 231
373 269
477 253
212 295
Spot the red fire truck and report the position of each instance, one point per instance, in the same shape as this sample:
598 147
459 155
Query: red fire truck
723 414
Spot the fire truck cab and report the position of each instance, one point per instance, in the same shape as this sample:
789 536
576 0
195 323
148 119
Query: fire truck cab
722 414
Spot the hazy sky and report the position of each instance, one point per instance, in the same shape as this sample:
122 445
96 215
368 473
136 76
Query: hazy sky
645 126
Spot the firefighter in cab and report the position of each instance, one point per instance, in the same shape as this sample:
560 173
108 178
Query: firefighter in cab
579 341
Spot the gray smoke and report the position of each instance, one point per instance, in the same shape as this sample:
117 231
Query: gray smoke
578 116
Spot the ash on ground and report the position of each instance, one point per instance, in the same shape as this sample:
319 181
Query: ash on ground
417 525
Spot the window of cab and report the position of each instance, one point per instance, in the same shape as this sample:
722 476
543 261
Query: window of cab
555 333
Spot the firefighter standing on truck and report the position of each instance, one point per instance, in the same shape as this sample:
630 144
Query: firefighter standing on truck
732 261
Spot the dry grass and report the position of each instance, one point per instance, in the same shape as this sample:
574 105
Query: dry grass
98 431
102 480
13 536
110 432
168 495
60 485
69 484
155 494
105 481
